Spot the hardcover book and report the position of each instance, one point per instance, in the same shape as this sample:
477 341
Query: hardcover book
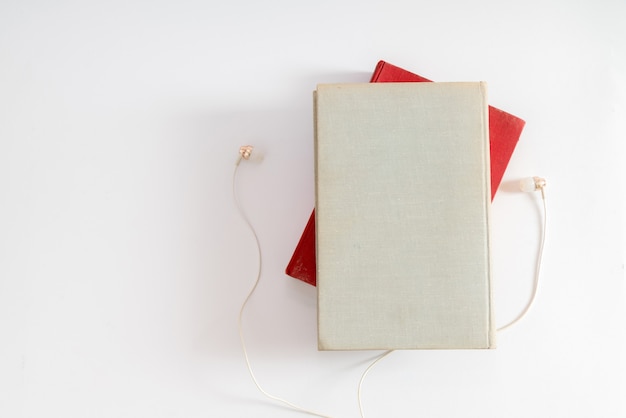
504 132
402 216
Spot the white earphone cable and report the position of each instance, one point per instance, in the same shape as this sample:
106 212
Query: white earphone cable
245 302
382 356
245 154
537 268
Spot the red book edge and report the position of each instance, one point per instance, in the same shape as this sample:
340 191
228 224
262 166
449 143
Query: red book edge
504 132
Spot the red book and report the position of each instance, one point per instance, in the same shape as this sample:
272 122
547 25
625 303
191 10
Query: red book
504 132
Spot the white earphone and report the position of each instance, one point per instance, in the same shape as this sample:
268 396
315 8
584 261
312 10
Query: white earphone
246 153
531 184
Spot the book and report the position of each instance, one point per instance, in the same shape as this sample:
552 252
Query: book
402 234
504 132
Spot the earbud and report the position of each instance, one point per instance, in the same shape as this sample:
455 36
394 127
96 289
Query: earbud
246 153
532 184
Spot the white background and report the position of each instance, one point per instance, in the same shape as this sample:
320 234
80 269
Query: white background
123 261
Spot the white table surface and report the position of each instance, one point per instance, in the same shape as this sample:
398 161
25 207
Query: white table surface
123 261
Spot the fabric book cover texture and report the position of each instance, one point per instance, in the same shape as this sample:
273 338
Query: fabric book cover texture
402 216
504 132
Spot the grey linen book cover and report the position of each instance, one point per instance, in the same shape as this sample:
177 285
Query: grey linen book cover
402 216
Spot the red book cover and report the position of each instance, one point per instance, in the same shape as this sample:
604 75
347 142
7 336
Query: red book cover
504 132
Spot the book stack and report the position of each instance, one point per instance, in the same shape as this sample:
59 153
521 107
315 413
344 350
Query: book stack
398 245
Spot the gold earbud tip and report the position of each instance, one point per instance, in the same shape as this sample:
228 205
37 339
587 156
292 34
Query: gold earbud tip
245 151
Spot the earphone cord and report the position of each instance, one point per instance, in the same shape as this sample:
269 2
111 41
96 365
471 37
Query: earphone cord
245 302
537 268
382 356
519 317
